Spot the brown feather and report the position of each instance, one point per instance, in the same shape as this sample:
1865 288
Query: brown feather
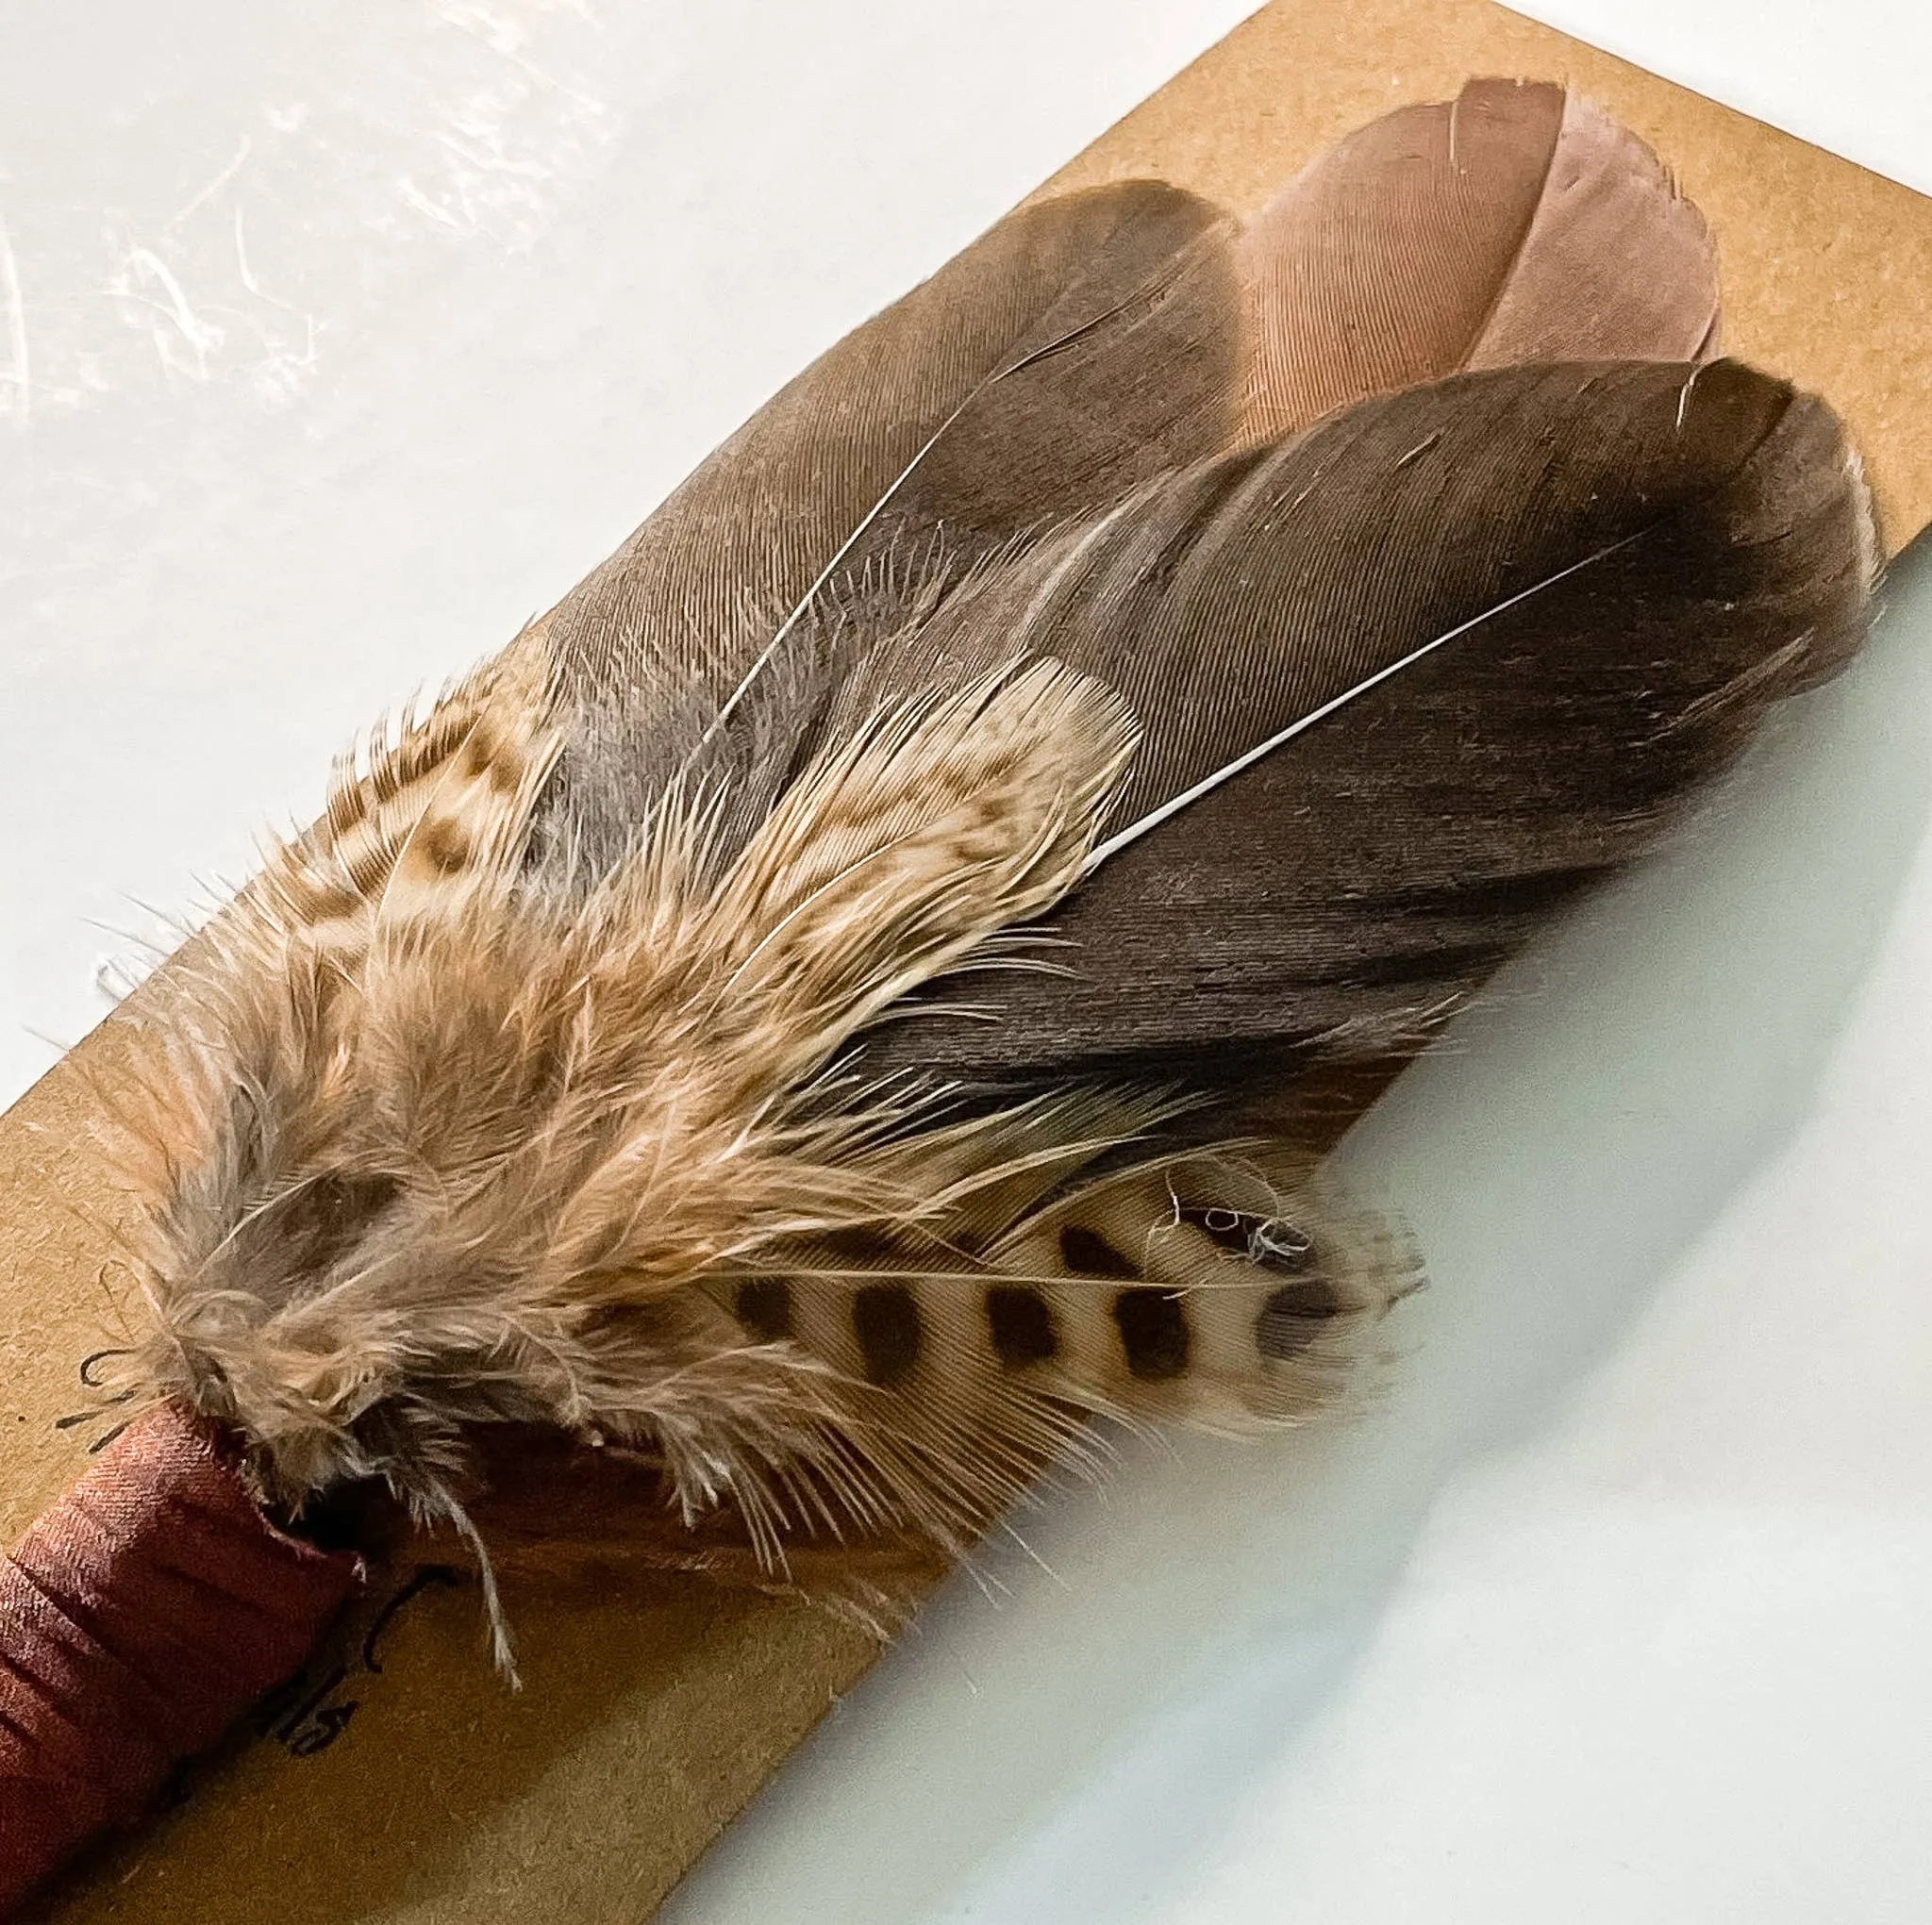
1512 223
1633 560
1078 348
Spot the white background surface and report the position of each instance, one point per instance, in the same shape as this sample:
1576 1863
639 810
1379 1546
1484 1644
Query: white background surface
335 342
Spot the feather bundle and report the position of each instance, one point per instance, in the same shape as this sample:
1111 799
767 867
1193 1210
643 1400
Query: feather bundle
799 1019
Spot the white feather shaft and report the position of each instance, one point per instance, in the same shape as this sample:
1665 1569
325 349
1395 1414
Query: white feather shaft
1228 771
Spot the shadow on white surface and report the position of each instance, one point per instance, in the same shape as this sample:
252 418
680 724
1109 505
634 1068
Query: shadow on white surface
1084 1747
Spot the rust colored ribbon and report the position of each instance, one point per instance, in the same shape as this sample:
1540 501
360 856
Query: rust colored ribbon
139 1618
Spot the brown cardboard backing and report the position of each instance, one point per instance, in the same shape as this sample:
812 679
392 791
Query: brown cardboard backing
652 1710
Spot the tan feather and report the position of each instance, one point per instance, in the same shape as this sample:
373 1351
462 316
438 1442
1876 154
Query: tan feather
1512 223
490 1175
415 820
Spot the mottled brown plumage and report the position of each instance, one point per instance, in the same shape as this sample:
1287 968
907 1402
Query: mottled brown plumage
1199 647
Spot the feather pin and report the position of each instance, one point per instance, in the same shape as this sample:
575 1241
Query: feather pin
1203 650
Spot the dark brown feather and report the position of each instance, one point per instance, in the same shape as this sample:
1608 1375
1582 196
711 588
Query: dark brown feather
1077 349
1706 547
1083 347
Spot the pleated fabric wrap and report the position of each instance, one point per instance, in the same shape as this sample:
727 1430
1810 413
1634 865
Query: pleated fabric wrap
139 1618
